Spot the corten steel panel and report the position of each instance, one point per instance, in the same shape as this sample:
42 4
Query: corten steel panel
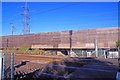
106 38
41 46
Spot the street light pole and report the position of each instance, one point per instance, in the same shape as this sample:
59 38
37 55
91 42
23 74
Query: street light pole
118 73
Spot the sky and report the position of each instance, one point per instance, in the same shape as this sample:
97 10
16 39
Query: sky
59 16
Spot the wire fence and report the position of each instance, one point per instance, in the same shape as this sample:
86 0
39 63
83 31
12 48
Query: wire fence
100 53
7 66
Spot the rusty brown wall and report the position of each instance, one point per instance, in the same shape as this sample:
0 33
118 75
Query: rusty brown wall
106 38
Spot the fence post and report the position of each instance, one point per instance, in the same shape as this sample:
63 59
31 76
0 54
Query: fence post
12 66
1 64
3 68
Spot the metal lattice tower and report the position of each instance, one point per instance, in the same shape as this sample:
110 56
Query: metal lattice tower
26 28
12 28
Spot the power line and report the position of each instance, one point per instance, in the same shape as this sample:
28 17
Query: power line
40 12
26 28
49 10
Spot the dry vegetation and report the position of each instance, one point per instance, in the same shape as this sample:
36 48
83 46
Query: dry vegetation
25 49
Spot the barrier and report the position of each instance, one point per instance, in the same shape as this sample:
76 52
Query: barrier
7 66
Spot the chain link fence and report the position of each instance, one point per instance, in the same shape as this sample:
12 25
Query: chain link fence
7 66
89 53
100 53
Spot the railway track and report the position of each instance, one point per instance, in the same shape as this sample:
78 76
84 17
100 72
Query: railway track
36 58
32 67
68 69
36 69
25 65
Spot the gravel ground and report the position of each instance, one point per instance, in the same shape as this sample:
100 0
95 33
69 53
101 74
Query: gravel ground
72 68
